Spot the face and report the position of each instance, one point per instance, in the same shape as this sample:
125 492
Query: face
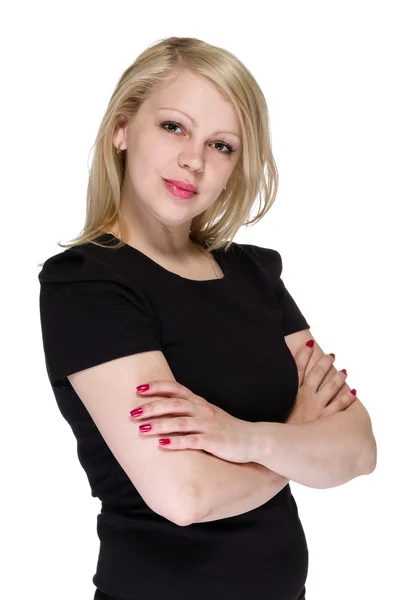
163 142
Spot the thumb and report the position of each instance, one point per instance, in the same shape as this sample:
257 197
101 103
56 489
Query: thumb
302 358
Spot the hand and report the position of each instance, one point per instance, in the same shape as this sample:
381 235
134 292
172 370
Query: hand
313 397
201 425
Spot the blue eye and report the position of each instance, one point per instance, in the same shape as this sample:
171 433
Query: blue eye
171 123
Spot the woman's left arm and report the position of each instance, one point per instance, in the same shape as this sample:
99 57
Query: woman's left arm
323 453
320 454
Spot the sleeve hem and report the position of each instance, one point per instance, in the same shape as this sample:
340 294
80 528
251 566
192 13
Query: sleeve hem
296 327
58 379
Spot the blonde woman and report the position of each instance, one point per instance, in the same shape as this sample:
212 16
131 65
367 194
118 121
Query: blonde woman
183 365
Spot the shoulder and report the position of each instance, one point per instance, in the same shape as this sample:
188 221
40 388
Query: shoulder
84 262
88 275
62 266
268 260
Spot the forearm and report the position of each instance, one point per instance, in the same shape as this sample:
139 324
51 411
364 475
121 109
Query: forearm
324 453
228 489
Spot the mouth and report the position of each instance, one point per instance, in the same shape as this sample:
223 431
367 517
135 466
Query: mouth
184 185
178 192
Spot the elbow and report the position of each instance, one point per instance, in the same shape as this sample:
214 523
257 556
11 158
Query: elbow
372 456
181 516
371 469
369 462
181 508
192 510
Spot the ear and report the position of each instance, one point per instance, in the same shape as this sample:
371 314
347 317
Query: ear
120 135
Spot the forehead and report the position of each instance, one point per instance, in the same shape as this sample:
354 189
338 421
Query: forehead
195 95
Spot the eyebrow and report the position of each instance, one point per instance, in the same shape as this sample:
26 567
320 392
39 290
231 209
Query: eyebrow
196 124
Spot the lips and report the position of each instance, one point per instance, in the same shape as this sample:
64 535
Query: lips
177 191
184 185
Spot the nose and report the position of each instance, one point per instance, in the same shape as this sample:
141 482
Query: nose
192 161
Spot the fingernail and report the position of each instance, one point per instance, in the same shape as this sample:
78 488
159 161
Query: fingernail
136 412
145 427
331 354
164 441
310 343
354 392
344 371
142 388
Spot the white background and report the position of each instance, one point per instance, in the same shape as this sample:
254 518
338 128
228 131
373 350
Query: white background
330 74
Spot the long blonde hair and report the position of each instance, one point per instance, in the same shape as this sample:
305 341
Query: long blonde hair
255 176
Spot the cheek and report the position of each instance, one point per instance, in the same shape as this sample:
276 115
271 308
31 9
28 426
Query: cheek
146 161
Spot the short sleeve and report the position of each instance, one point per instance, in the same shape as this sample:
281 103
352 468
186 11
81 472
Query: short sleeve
292 318
89 315
270 262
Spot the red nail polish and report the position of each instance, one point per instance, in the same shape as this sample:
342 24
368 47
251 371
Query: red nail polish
344 371
354 392
331 354
164 441
136 412
310 343
144 427
142 388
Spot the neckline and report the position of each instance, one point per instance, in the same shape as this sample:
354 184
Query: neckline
216 254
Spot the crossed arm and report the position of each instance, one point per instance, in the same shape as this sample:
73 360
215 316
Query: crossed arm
324 453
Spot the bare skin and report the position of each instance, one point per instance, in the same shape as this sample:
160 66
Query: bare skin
197 267
158 222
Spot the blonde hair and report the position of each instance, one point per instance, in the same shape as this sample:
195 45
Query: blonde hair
255 175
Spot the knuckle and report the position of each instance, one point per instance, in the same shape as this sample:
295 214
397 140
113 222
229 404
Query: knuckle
307 387
209 410
181 422
175 386
319 369
342 401
192 439
148 408
332 384
177 403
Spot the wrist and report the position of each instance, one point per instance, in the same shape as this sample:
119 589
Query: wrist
264 434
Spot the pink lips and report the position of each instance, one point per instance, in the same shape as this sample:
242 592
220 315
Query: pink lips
178 192
184 185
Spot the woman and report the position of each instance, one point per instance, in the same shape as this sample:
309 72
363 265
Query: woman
196 504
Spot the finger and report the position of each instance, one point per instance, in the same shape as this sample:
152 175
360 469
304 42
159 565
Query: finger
178 425
162 406
183 442
160 387
340 403
317 373
302 359
330 387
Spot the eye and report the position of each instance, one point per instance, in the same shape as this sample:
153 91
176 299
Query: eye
169 123
172 124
